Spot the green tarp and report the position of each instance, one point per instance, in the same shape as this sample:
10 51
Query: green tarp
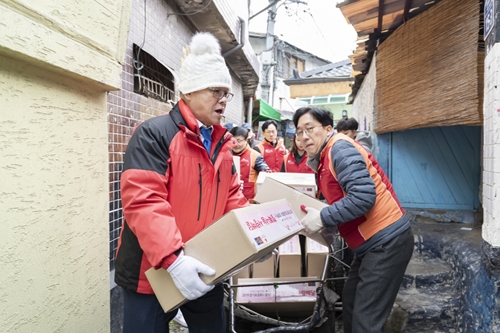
266 111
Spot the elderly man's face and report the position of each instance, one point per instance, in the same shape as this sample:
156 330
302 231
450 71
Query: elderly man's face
206 108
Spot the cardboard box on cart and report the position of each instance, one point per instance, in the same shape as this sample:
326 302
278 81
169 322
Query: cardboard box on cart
272 189
302 182
290 258
235 240
286 300
315 257
265 269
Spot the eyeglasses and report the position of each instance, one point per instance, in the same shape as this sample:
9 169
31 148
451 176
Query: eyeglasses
308 130
220 94
270 132
240 141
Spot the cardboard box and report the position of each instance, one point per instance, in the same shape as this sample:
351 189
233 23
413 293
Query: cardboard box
303 182
316 255
290 258
242 273
235 240
265 269
272 189
287 300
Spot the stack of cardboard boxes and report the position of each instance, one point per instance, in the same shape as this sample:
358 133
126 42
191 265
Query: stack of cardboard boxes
232 244
300 260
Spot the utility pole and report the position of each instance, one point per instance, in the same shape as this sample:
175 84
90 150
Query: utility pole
268 60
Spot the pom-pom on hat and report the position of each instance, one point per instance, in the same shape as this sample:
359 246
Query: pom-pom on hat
204 67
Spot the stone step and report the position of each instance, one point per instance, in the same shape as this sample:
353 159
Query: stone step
427 273
426 301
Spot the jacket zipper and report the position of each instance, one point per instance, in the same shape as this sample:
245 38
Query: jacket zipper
218 148
216 192
199 202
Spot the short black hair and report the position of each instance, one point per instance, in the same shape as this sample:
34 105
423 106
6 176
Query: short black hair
321 115
268 122
342 125
347 124
239 131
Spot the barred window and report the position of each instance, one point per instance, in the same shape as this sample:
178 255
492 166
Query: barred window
151 78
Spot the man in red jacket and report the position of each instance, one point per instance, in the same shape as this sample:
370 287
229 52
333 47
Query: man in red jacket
272 148
251 162
178 178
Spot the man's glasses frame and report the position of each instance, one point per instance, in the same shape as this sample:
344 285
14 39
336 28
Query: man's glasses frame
308 130
220 94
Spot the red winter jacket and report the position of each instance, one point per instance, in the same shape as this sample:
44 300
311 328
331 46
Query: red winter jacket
272 155
171 189
290 164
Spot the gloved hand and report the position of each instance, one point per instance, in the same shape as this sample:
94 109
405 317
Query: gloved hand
184 272
312 221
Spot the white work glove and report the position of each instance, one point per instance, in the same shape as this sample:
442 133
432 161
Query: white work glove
312 221
184 272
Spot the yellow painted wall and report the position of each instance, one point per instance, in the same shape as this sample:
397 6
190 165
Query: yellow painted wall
57 60
85 39
320 89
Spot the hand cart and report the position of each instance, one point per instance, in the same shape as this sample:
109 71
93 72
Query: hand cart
328 304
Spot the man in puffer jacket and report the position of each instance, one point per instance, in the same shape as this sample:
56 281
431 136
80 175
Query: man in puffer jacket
364 207
178 178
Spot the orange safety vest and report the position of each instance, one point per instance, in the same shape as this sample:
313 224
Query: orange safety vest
248 174
386 210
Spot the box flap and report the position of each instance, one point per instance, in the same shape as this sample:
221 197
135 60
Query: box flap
289 178
272 189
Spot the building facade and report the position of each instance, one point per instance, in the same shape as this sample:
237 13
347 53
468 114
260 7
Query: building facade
58 60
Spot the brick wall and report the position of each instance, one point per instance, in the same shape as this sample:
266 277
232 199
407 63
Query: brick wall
165 40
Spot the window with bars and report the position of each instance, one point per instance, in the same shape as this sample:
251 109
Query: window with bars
151 78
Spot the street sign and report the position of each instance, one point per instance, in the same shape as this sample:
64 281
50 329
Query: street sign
489 17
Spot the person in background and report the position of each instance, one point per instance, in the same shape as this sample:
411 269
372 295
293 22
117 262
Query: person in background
251 134
364 207
272 149
251 162
228 126
178 178
296 160
349 127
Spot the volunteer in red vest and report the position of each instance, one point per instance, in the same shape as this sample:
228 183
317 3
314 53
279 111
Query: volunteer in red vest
178 178
251 162
364 207
296 160
272 149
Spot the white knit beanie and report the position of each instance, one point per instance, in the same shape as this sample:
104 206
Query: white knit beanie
204 67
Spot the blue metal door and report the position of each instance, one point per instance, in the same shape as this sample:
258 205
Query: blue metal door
434 168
